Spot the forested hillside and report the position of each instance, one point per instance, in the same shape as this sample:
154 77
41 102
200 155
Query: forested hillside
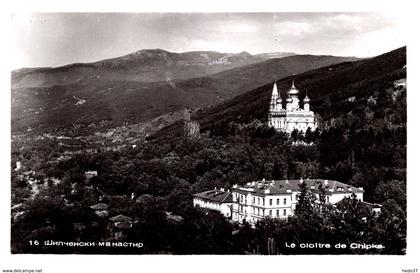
361 107
330 88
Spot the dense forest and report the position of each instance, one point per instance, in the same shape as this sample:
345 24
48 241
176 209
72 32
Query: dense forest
361 141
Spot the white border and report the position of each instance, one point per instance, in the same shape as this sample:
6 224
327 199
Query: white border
98 263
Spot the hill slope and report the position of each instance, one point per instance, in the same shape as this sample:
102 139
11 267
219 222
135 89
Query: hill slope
121 101
329 88
145 66
272 55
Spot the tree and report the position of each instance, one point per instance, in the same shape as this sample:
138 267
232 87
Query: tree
294 135
392 228
305 200
352 221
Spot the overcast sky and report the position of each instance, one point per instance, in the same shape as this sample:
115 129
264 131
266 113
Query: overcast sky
56 39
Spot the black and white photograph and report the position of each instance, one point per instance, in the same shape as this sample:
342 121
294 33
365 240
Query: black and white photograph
208 133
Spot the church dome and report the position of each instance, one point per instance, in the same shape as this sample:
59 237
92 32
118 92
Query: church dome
289 100
279 100
306 99
293 90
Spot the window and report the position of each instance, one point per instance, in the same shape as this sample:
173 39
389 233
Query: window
263 202
277 213
242 198
284 201
284 212
258 201
271 202
253 200
328 199
278 201
271 213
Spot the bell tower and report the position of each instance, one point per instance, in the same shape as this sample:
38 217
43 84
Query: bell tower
306 101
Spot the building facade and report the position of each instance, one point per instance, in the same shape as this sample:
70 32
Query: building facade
219 200
278 198
275 199
292 116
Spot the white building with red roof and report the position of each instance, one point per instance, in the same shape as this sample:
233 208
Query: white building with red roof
278 198
219 200
274 199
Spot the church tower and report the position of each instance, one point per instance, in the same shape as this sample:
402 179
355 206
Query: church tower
306 101
276 111
293 95
274 97
293 117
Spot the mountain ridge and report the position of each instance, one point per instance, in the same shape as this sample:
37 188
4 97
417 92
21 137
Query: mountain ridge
144 65
324 85
121 100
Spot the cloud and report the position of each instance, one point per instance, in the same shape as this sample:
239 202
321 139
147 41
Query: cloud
48 39
343 19
389 38
238 28
296 29
327 25
330 30
221 45
354 23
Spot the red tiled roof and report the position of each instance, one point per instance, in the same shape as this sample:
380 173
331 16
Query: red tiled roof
120 218
122 225
172 217
215 196
282 186
101 213
99 206
372 205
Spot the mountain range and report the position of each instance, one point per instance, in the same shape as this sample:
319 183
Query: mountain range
144 65
335 90
144 85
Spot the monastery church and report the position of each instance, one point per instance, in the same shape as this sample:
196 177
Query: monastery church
292 117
